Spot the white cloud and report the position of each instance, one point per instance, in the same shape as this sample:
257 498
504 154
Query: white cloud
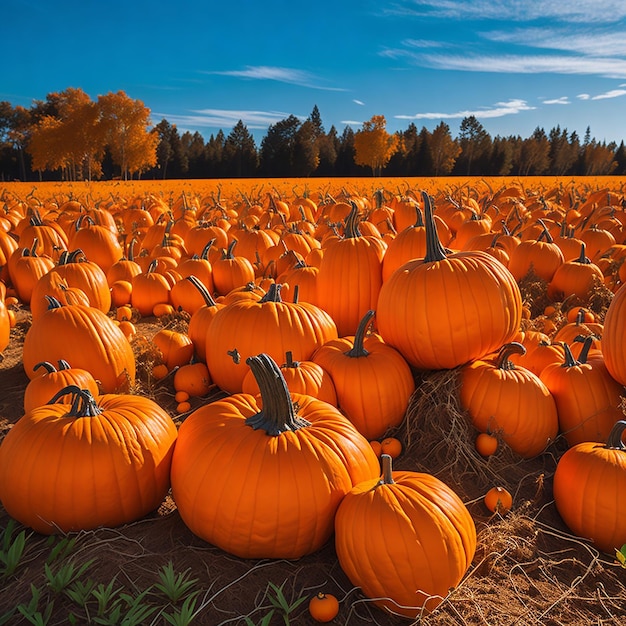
359 102
278 74
593 42
500 109
224 118
561 100
583 96
520 64
584 11
614 93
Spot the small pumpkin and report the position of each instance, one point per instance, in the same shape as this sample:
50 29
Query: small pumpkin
323 607
41 389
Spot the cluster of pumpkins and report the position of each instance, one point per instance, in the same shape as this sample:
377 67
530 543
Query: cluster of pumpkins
274 472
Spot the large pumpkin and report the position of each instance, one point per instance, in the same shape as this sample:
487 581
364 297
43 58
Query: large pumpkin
404 539
266 482
613 335
93 463
447 309
85 337
589 486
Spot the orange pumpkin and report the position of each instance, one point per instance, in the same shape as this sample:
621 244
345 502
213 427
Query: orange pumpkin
432 545
111 460
260 510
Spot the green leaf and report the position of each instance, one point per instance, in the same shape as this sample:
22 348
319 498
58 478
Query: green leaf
621 555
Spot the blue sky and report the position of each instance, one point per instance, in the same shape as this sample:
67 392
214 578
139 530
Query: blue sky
514 64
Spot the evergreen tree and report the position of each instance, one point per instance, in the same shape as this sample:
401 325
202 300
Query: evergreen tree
240 158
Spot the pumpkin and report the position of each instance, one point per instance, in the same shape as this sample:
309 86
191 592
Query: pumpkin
85 274
323 607
614 331
5 323
498 500
350 275
200 320
245 327
149 289
587 397
305 377
176 347
540 255
100 244
111 460
405 539
510 400
589 486
264 479
372 380
192 379
231 271
576 277
447 309
85 337
41 389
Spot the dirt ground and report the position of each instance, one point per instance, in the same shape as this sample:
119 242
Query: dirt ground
528 568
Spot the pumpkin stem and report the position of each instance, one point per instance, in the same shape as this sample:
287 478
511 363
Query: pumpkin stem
204 292
514 347
273 294
570 360
434 249
278 414
49 367
357 349
83 403
290 362
614 440
351 228
387 465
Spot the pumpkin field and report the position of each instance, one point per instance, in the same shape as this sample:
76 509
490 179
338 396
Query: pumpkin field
370 401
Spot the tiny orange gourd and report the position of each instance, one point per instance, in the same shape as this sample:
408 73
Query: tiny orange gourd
377 447
486 444
323 607
391 446
498 500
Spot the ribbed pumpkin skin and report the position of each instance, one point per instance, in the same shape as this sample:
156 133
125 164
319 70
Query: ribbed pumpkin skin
511 400
254 326
589 486
613 336
61 473
372 380
86 338
409 541
441 314
259 496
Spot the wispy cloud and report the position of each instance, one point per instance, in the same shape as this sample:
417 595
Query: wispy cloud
500 109
596 42
224 118
614 93
287 75
359 102
516 63
584 11
583 96
561 100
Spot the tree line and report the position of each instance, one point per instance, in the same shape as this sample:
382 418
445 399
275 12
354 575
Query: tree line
71 137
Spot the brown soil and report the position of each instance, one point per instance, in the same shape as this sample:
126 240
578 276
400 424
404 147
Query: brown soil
528 568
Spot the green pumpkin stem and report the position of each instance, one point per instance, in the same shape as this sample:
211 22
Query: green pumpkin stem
278 414
434 249
357 349
503 361
83 403
614 440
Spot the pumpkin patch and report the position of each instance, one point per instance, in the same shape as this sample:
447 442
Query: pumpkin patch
245 361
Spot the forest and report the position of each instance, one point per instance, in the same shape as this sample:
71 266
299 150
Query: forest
71 137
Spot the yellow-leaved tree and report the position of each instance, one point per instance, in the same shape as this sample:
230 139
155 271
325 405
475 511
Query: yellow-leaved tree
125 124
373 145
